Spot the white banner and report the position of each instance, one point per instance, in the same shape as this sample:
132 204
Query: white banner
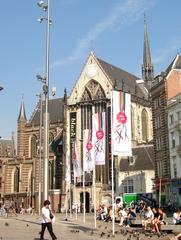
87 151
67 177
121 123
98 127
76 162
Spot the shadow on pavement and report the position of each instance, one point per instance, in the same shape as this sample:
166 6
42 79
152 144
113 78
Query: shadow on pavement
26 221
79 228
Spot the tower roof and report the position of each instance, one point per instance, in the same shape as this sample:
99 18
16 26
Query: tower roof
22 115
146 48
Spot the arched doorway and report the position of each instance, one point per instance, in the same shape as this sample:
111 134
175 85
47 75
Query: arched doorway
87 201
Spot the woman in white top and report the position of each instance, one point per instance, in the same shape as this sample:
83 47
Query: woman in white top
46 221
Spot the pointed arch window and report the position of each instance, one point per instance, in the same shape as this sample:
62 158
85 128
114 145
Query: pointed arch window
33 146
16 180
51 137
144 123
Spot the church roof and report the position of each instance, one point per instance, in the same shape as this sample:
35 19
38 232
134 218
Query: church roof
22 115
123 80
175 64
143 159
56 110
146 48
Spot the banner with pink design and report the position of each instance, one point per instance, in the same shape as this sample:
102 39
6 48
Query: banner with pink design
121 123
87 151
67 177
76 162
98 127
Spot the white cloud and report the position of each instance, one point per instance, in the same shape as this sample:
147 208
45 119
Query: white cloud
122 14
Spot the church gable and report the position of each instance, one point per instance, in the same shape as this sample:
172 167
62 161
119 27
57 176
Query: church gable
92 83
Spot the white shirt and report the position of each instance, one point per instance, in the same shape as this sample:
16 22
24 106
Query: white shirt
45 214
150 214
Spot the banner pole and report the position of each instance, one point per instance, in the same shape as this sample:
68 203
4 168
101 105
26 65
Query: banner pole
75 198
112 167
84 197
66 202
94 192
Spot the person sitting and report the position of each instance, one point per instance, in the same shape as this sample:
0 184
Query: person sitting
177 217
125 217
159 219
148 218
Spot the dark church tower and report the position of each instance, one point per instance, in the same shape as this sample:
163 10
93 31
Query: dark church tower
21 132
147 67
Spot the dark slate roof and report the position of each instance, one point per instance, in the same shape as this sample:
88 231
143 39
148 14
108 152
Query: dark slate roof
175 64
146 48
7 148
143 159
22 115
123 80
56 109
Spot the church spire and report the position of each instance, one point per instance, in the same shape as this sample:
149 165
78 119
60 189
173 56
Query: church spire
147 67
22 115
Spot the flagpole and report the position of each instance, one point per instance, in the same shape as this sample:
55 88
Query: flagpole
83 196
70 199
75 198
66 202
112 167
94 192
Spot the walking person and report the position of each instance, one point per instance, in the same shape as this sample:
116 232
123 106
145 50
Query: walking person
47 218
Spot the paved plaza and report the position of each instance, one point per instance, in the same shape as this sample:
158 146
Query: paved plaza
28 227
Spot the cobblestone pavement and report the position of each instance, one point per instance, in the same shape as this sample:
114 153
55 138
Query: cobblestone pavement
28 227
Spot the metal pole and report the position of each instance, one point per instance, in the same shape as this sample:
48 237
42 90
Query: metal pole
94 192
75 198
70 197
46 115
112 166
40 156
83 196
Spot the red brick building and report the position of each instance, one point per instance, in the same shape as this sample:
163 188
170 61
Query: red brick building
23 173
165 86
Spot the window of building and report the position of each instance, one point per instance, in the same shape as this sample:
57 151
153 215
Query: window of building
179 137
157 122
132 124
51 137
159 168
156 103
159 143
172 139
33 146
160 101
144 123
174 167
171 119
178 115
128 186
16 180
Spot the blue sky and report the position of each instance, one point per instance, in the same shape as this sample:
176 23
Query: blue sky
111 28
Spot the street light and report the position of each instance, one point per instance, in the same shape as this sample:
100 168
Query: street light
46 7
40 151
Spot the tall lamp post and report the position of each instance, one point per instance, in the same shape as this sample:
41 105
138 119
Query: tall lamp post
46 7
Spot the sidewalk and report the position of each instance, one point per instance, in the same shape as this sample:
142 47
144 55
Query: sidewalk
28 227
